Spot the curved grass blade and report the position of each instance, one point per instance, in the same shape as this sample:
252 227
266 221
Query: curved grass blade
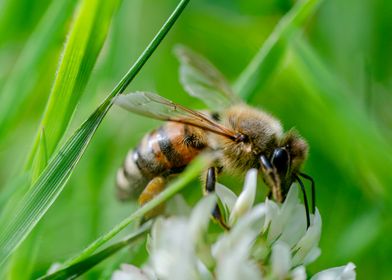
79 56
52 180
41 159
270 54
77 269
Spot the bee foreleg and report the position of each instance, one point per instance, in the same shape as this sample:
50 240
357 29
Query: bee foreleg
153 188
271 178
313 190
209 187
305 201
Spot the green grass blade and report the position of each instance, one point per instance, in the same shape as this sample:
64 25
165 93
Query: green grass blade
269 56
52 180
41 160
81 51
25 73
85 265
191 172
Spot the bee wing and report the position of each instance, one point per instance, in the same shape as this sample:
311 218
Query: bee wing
202 80
157 107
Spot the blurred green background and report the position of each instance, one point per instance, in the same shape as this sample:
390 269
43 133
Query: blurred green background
333 84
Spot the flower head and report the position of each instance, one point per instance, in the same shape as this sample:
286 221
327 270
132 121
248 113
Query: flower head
266 241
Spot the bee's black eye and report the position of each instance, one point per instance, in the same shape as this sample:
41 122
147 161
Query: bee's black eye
281 160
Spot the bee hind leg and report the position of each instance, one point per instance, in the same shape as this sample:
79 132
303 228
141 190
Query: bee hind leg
209 187
153 188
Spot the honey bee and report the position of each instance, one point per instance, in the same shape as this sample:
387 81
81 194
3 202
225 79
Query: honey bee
243 137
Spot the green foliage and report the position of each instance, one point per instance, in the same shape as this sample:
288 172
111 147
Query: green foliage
85 41
51 182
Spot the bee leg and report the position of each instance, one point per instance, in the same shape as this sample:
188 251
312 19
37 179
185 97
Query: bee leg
271 178
305 201
313 190
209 187
153 188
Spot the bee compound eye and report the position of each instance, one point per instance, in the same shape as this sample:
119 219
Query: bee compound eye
281 160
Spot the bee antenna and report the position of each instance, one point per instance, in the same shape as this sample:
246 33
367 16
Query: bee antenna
313 186
305 201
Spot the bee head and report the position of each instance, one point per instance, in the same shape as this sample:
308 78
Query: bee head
288 158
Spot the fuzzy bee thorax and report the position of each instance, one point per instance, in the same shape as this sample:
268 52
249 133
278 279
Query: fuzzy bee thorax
261 132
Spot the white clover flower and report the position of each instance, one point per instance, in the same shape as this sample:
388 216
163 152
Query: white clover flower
237 263
346 272
247 197
287 223
298 273
226 195
233 250
266 241
280 260
174 240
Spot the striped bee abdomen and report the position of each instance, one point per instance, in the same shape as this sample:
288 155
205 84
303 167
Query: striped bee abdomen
162 152
130 181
